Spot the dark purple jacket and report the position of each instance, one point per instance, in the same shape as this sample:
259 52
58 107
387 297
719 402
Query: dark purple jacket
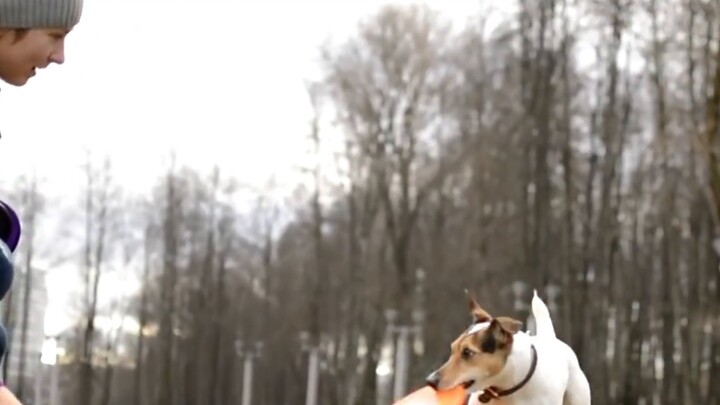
9 238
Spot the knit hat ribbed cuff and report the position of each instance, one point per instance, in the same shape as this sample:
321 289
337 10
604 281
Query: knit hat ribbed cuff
30 14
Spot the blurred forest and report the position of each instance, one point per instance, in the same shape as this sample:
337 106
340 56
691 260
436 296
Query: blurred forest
565 145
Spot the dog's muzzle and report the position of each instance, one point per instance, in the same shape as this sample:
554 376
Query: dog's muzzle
433 380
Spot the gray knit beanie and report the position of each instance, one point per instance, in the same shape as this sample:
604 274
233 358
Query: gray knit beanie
19 14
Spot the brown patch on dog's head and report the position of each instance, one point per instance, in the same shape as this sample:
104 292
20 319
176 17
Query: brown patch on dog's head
478 353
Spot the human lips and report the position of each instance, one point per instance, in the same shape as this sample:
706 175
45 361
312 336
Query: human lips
34 70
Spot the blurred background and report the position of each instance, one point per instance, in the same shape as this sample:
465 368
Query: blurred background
245 202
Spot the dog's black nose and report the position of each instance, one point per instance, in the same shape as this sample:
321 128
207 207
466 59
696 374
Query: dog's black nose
433 380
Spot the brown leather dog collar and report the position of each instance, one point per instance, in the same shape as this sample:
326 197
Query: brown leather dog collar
491 393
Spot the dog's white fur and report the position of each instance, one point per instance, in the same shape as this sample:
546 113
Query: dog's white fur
558 378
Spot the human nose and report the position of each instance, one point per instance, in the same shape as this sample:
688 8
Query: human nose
58 54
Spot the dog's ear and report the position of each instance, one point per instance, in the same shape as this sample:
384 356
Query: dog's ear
510 325
479 315
497 336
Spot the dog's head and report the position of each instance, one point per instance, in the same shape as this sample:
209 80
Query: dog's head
479 353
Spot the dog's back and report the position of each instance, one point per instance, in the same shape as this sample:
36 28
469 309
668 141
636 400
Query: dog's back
578 387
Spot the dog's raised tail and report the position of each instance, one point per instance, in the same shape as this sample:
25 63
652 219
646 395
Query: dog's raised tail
543 323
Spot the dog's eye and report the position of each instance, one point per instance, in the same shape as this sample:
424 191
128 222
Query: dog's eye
467 353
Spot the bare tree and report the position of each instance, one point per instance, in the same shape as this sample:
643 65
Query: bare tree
140 355
100 223
165 393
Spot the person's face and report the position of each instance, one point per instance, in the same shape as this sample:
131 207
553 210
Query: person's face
21 52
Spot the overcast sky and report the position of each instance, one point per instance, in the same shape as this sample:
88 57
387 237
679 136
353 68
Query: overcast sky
219 82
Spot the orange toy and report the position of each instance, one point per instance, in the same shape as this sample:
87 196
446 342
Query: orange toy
428 396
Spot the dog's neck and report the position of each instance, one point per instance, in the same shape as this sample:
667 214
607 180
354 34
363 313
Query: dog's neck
517 366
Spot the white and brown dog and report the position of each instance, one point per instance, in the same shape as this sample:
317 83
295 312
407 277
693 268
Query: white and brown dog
498 363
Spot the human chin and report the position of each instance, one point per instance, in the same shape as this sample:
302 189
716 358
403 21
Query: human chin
17 76
20 79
